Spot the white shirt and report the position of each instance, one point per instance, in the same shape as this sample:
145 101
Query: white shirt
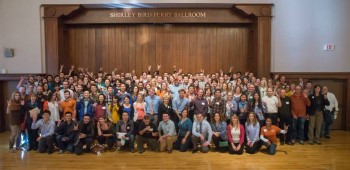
271 103
333 102
53 107
235 134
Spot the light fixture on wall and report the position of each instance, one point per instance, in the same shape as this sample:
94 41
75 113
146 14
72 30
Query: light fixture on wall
9 52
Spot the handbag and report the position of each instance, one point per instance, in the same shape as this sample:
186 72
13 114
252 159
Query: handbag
223 144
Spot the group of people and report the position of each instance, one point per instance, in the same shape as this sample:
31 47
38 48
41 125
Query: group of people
223 112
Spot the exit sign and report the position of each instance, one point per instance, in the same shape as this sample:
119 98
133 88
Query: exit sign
328 47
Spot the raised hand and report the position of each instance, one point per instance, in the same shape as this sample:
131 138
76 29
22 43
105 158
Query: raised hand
158 67
149 67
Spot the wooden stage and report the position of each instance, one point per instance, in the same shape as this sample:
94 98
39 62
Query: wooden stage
332 154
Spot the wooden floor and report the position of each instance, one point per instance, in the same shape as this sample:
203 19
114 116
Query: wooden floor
332 154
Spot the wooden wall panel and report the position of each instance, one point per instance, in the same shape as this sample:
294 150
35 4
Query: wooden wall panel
188 46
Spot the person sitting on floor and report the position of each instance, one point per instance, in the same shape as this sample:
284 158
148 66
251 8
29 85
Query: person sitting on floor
47 129
147 134
201 133
85 135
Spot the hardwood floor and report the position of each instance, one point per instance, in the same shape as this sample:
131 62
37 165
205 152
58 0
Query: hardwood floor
332 154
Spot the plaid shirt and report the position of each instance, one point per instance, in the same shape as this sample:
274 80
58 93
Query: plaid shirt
218 106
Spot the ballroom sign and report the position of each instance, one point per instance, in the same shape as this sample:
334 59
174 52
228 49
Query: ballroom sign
169 14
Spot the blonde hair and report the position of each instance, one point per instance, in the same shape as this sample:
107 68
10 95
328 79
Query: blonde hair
238 123
255 120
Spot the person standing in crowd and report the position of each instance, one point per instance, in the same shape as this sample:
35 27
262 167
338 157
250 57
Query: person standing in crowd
243 109
180 103
200 104
268 136
126 127
14 108
166 107
259 108
147 134
185 128
318 103
330 112
47 129
152 104
285 116
235 134
127 107
231 107
68 105
299 102
32 133
101 108
201 133
52 104
65 88
218 126
272 103
167 134
85 106
85 135
252 128
139 111
218 103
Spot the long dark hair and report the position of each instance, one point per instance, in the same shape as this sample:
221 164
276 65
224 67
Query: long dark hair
259 100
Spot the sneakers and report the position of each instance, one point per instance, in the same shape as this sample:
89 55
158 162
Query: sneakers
318 142
311 142
170 151
328 137
141 151
301 142
292 141
60 152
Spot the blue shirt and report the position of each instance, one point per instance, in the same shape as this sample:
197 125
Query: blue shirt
179 104
230 111
221 128
185 127
46 129
155 101
206 130
252 132
175 90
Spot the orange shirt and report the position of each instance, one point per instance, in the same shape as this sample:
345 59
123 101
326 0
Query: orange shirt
69 106
299 103
271 133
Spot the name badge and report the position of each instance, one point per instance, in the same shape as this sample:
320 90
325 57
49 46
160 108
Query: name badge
287 102
103 107
128 127
313 96
265 130
217 103
203 103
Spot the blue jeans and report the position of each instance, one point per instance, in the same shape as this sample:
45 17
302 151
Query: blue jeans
327 123
64 145
298 128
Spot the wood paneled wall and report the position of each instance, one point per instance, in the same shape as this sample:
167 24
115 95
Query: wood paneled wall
135 46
